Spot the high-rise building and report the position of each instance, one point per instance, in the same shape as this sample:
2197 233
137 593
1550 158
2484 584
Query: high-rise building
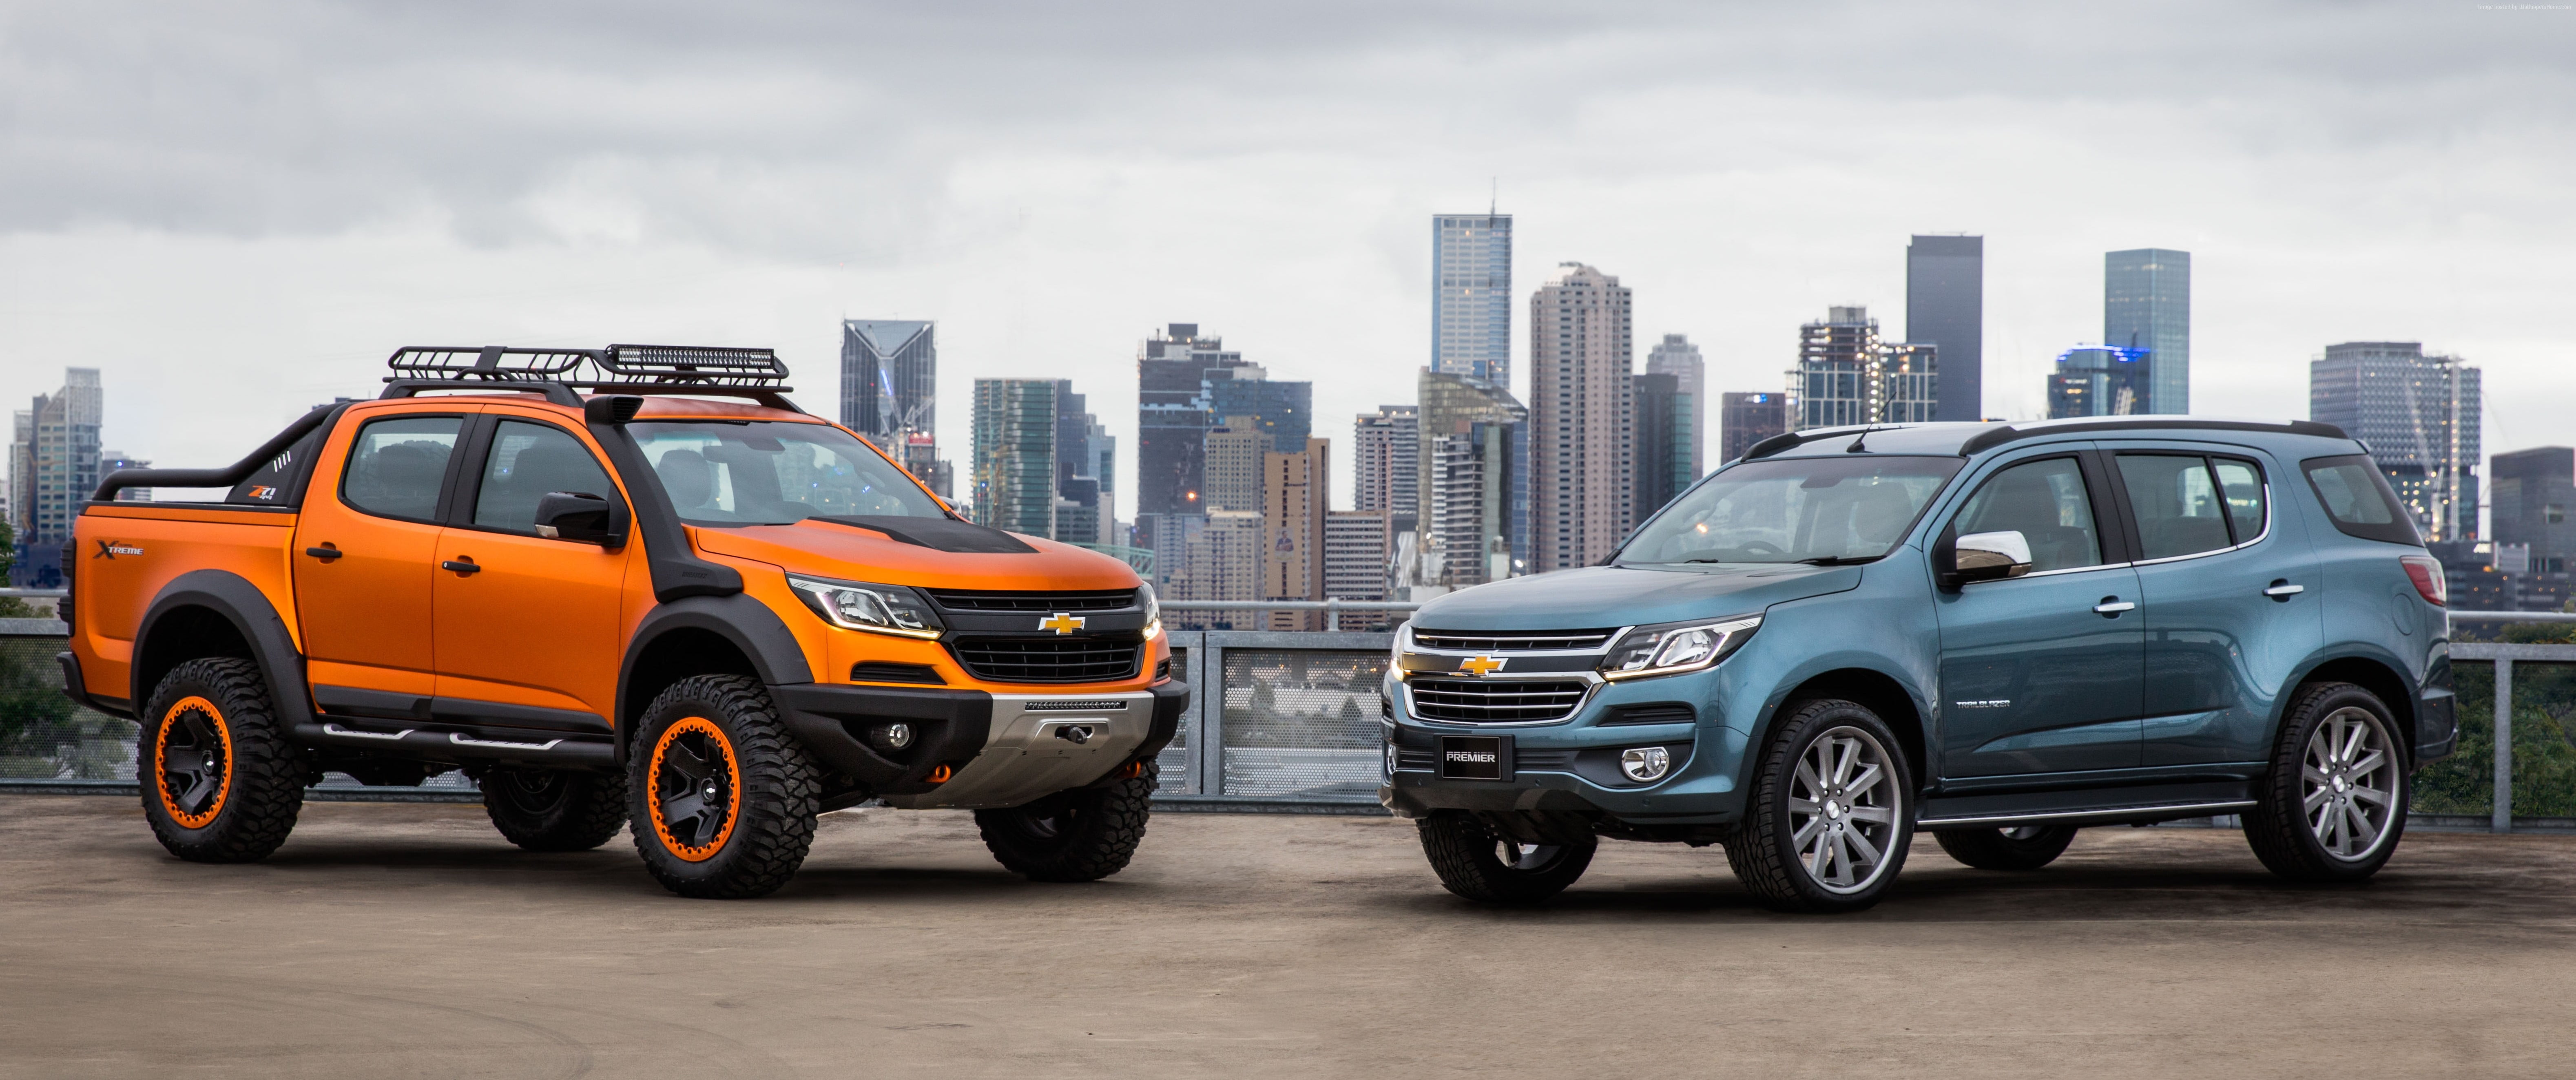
1284 409
53 468
2146 305
1015 473
1296 493
1084 455
1173 416
111 460
1233 465
1749 419
1582 449
1471 305
1358 545
1474 521
2532 493
2418 414
889 378
1662 431
2100 380
1220 559
1677 357
1945 307
1386 459
1847 375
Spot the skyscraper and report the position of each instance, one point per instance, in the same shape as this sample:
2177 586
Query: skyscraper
53 468
1679 358
1583 451
1386 463
1173 416
1471 289
1945 307
1084 450
2146 304
1231 477
1662 434
1749 419
2100 380
1284 409
889 379
1296 493
2418 414
1846 375
1357 547
1015 473
1474 520
2534 490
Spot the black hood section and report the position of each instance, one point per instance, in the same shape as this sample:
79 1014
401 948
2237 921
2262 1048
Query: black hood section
937 534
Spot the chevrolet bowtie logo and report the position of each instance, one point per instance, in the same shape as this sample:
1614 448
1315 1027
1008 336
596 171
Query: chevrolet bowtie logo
1480 665
1061 623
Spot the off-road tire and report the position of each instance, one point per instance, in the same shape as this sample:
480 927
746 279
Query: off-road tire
1763 849
2278 827
769 788
555 809
2001 849
1081 835
1466 853
258 781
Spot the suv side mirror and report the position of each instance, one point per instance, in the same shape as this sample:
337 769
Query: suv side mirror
1990 556
580 515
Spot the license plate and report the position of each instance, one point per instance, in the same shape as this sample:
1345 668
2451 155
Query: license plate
1475 757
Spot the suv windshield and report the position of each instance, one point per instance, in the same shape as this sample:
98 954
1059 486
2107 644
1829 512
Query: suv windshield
770 472
1819 510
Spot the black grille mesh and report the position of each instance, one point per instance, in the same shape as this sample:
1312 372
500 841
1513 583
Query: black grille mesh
1049 659
1097 600
1496 701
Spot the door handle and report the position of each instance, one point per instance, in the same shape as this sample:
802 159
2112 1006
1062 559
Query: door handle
326 552
2283 590
461 566
2112 606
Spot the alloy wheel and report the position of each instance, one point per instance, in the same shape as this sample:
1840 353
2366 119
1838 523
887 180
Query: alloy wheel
192 762
2348 783
697 792
1526 857
1843 807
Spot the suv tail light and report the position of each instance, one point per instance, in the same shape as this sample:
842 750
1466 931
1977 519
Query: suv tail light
2429 582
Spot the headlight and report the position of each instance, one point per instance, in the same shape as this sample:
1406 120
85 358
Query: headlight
878 609
1673 648
1153 612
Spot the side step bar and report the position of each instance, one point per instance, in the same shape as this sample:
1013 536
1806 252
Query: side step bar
441 742
2109 815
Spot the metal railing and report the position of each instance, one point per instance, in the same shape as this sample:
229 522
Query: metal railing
1332 609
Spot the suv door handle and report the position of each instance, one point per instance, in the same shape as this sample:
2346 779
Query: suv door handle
326 552
2112 606
461 566
2283 590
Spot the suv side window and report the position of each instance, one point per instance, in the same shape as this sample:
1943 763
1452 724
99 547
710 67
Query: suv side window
2357 496
398 464
528 460
2045 502
2179 508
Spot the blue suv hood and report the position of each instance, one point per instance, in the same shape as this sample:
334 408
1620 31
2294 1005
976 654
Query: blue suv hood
1598 597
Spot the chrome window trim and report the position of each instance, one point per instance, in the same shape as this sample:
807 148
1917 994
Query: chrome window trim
2222 498
2051 573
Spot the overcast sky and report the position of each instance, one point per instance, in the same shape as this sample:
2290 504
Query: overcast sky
237 210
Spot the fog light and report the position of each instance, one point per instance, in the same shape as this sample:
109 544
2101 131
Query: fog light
1644 763
1391 759
894 736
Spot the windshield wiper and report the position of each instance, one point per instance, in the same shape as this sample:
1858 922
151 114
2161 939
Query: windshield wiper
1841 560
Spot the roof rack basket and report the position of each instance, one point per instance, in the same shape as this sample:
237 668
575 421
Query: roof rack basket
756 374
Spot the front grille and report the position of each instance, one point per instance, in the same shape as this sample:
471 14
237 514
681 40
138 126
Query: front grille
1111 705
1049 659
1511 640
1496 701
976 600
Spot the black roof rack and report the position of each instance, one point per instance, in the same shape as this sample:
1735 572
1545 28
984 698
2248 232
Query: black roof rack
756 374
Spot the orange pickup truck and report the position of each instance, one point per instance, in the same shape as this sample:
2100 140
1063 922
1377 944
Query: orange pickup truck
622 586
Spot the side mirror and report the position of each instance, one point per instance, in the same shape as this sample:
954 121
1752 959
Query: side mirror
580 515
1990 556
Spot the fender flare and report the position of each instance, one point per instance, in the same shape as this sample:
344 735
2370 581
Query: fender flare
1926 711
241 603
750 625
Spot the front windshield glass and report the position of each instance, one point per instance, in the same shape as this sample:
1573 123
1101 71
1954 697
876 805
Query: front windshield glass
1814 510
770 472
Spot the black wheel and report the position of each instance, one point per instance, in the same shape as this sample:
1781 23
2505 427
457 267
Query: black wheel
1830 813
1081 835
220 782
2334 803
555 809
2028 847
723 800
1487 867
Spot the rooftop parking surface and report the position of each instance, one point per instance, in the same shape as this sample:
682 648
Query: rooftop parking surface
411 940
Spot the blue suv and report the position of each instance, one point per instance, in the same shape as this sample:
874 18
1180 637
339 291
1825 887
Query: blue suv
1997 633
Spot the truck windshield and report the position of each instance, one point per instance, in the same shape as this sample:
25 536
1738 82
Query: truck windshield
1794 510
769 472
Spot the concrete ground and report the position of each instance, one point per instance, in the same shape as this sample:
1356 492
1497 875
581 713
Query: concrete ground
410 940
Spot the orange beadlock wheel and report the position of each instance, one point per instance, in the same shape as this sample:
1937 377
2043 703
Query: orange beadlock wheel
697 788
192 762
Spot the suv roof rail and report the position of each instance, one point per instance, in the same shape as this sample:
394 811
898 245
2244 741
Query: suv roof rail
2001 434
717 371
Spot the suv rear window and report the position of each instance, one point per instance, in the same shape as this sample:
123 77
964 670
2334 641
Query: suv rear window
2359 499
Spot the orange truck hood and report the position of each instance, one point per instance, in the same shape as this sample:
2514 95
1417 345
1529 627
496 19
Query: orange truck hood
828 550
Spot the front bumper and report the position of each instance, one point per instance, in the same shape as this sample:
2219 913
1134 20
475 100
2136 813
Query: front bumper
1001 749
1572 765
